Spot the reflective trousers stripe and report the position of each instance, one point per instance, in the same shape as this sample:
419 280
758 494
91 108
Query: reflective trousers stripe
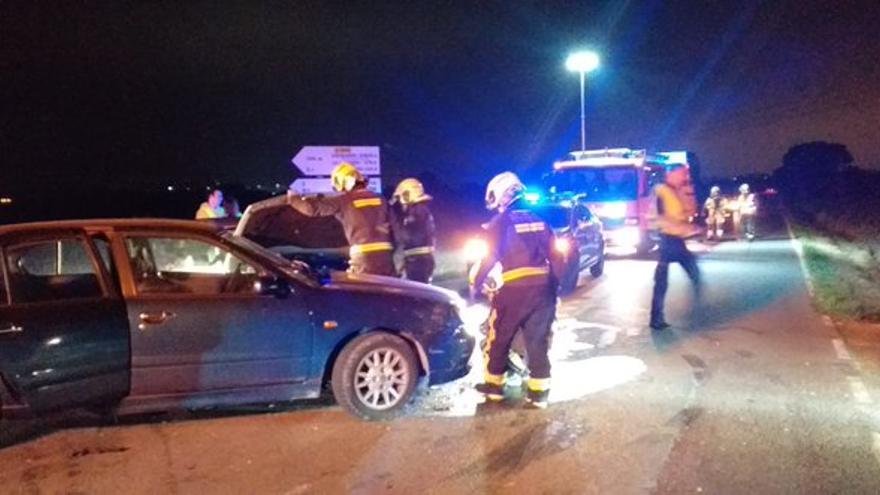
418 251
370 248
490 339
527 271
539 384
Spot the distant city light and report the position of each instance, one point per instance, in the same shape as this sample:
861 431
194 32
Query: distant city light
5 201
171 188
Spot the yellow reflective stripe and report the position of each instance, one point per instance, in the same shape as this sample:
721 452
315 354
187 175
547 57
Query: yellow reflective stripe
370 248
418 250
364 203
490 339
539 384
524 228
528 271
493 379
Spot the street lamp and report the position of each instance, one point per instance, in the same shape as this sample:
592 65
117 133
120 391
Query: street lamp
582 62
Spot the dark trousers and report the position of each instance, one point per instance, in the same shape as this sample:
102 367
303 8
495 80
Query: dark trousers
419 268
380 263
530 309
672 250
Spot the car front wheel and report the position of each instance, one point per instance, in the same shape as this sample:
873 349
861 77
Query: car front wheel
375 376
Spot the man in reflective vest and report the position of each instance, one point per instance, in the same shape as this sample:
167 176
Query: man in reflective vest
414 230
747 210
522 243
676 207
364 218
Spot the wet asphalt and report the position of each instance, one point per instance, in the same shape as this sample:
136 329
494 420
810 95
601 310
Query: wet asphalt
750 391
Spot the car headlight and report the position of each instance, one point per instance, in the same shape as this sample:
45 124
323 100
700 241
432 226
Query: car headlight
475 250
562 245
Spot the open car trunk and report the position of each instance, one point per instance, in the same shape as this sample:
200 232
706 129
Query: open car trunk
318 241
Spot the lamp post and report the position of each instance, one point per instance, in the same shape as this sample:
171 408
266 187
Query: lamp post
582 62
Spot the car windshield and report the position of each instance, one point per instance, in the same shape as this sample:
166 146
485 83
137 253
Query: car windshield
555 216
599 184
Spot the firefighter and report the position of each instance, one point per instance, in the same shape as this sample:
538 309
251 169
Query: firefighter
414 230
747 210
675 207
715 209
526 301
212 207
363 215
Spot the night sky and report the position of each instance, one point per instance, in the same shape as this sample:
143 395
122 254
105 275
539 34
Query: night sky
135 93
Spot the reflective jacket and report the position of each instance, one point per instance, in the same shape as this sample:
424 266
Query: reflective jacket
522 243
362 213
414 229
675 207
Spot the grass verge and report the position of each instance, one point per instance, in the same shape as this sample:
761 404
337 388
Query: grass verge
845 275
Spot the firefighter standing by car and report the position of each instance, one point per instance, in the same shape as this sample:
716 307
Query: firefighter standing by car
675 208
747 209
414 230
715 209
526 301
363 215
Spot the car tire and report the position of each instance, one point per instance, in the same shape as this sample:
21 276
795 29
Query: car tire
569 281
599 268
375 376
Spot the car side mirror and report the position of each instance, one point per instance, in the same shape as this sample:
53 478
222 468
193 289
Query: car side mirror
272 285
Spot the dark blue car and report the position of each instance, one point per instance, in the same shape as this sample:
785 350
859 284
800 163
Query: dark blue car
147 315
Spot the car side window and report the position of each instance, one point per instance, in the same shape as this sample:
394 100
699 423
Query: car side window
51 270
169 265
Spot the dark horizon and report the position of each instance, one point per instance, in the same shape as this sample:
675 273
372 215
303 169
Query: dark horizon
130 94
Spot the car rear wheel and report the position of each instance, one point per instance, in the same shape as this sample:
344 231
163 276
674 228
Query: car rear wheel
375 376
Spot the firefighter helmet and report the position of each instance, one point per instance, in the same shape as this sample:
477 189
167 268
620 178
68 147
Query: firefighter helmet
345 176
744 188
410 191
503 190
714 191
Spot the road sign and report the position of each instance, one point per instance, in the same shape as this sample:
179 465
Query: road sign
316 185
320 160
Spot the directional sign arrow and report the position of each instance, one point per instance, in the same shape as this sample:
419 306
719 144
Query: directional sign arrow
321 160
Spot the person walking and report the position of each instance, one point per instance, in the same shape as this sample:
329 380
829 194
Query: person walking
676 207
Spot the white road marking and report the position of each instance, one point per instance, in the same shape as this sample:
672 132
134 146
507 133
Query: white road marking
840 349
859 390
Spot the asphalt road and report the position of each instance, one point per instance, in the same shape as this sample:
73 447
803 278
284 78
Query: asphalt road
751 391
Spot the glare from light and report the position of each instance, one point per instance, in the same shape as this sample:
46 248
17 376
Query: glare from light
625 237
582 62
562 245
475 250
615 210
532 197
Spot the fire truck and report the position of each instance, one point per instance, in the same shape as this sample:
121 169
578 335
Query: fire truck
618 186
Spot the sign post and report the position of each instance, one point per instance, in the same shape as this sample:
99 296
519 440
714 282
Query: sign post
316 163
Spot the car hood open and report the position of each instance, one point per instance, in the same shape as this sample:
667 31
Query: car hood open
272 222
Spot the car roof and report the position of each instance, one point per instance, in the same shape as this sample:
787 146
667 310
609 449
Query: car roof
111 223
